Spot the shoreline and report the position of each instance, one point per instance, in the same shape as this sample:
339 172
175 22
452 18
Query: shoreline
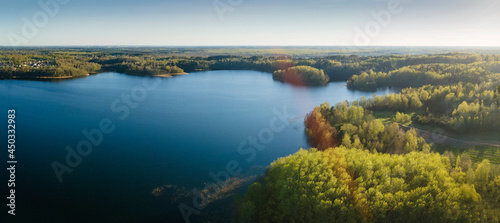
44 78
169 75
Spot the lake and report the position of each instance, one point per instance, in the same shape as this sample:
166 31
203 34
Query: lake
166 134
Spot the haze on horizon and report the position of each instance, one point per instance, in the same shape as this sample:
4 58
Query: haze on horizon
251 23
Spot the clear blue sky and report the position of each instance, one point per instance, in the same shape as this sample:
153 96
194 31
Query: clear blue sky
255 22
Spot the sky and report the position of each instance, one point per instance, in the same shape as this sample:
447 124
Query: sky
250 23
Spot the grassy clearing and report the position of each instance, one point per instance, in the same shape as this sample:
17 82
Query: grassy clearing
476 153
492 137
387 117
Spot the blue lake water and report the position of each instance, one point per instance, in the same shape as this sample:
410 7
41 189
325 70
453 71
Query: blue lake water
175 133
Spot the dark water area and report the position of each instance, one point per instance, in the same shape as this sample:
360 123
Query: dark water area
157 133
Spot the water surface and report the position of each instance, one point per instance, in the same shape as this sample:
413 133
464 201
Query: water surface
184 128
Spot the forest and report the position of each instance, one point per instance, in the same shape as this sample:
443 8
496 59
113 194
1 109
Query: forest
462 101
365 167
365 171
354 127
336 64
353 185
301 76
32 65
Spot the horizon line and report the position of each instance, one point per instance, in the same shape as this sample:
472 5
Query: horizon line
467 46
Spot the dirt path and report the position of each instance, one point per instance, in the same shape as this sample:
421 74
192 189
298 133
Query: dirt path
438 137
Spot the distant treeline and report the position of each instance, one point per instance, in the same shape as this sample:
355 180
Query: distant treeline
78 62
436 70
37 65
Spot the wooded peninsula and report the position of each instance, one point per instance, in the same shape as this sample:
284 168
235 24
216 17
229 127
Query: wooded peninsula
371 162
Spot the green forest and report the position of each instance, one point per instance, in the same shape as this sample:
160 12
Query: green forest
353 185
368 165
301 75
30 63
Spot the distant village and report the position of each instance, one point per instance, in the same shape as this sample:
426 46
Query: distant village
33 64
